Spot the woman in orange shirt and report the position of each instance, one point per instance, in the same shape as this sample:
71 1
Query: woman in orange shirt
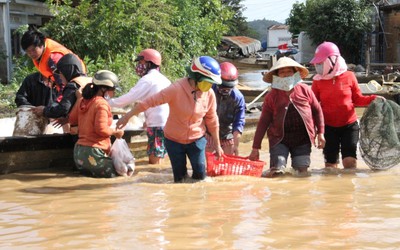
93 115
192 108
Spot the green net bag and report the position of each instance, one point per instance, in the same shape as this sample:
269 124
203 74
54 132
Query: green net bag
380 133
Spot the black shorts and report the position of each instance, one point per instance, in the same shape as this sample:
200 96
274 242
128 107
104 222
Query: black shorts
343 139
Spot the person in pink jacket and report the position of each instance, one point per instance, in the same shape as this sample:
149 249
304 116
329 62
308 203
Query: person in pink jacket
291 116
337 90
192 108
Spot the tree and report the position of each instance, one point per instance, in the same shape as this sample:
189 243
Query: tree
297 18
344 22
110 33
237 22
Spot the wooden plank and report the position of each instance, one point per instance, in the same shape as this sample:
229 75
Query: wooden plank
33 160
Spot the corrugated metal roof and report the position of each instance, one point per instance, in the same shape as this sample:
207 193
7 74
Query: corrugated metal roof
246 44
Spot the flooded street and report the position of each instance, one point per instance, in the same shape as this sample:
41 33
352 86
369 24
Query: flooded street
340 209
337 209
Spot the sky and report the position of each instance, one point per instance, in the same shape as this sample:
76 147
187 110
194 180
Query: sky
277 10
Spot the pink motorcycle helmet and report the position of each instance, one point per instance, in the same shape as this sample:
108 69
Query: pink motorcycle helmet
323 51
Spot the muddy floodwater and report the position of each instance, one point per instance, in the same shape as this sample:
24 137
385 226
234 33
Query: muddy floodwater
336 209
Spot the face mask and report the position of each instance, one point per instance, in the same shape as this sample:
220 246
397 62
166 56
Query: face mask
285 83
224 91
326 67
319 68
204 86
141 69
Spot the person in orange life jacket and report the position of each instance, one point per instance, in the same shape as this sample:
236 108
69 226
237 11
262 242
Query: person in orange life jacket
292 117
231 108
73 78
192 110
337 90
93 116
45 53
35 90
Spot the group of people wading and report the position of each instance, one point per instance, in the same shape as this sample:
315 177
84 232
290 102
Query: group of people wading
203 111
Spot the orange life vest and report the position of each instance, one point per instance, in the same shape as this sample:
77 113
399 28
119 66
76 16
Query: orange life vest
51 46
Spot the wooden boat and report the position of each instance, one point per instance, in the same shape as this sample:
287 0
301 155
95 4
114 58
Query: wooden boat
19 153
246 62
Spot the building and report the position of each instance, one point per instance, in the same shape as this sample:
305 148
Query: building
386 38
278 35
13 14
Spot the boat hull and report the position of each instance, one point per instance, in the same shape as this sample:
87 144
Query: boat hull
19 153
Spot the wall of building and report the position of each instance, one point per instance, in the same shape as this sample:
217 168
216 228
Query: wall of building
392 31
277 37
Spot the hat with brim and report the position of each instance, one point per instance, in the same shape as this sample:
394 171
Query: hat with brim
285 62
199 77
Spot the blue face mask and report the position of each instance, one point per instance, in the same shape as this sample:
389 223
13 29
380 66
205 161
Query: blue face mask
285 83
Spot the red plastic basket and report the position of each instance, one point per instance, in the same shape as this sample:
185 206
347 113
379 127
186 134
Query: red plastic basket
233 165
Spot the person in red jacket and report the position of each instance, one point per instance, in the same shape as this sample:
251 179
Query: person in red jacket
292 118
338 92
45 53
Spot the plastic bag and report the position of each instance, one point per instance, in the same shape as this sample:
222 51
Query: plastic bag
123 160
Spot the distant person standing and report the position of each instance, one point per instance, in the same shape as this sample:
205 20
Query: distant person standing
231 108
45 53
337 90
152 81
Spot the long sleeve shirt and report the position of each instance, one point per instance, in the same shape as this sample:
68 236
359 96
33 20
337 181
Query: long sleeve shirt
231 112
150 84
338 97
94 119
34 92
61 108
275 106
190 111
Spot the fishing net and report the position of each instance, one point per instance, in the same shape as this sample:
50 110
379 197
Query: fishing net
380 134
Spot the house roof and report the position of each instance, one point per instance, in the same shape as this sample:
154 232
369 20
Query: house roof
246 44
279 27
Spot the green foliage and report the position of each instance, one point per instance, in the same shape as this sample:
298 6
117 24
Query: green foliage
297 18
343 22
109 34
237 22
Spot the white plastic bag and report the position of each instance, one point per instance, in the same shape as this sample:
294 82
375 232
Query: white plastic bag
123 160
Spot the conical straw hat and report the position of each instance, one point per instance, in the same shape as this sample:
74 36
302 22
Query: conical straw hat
284 62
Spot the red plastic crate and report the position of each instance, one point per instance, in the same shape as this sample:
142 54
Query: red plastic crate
233 165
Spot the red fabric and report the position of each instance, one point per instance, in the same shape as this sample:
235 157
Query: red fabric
283 46
339 97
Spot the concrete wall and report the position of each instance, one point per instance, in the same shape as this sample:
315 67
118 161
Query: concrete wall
277 37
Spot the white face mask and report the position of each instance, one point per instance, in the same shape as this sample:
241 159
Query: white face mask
319 68
285 83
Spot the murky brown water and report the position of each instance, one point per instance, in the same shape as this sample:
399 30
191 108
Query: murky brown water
357 209
325 210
